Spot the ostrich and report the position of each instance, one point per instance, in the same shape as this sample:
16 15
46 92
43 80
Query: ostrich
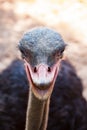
54 102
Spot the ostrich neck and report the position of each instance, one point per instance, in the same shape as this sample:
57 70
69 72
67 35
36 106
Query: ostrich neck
37 113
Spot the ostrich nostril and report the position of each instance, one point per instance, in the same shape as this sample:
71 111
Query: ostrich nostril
49 69
35 69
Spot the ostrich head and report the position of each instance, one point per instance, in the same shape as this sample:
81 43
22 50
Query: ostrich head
42 50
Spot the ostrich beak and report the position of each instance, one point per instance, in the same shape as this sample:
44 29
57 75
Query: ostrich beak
41 79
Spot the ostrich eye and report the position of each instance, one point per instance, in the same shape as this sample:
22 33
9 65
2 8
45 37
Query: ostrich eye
62 50
58 56
61 55
25 54
22 53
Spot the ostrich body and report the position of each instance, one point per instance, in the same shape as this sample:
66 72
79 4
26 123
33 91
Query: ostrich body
41 72
42 49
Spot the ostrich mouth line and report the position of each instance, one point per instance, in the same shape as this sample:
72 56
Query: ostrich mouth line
42 87
43 90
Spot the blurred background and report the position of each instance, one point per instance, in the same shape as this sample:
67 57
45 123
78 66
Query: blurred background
68 17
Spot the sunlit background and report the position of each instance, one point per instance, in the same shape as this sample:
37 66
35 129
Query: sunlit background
68 17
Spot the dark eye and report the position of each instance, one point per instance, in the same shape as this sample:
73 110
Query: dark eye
62 50
22 53
59 55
